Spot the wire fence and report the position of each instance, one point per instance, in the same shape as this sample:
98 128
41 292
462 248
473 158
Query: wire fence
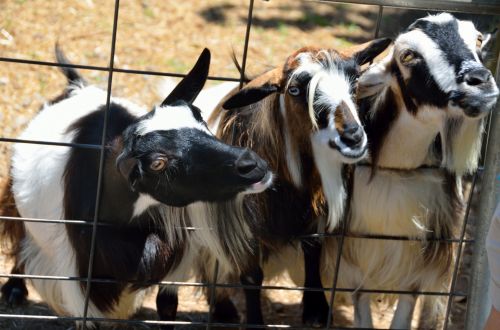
464 6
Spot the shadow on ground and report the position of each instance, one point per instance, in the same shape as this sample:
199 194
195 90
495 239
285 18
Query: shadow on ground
278 316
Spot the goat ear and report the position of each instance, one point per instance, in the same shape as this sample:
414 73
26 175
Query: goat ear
249 96
127 167
374 78
256 90
189 87
368 51
488 43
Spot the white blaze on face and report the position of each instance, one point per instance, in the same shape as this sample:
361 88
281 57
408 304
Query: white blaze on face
469 34
440 69
330 84
328 88
171 118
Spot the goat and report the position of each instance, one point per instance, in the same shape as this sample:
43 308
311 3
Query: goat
302 119
423 107
157 165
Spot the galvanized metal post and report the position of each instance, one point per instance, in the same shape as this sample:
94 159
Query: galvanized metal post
478 305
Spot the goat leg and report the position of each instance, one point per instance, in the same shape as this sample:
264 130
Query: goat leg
253 276
14 291
404 312
166 305
362 310
314 304
224 310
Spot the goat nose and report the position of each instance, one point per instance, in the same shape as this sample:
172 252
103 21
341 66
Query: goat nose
246 163
352 136
477 76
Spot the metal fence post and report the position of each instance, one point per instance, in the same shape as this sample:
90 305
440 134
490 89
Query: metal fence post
478 305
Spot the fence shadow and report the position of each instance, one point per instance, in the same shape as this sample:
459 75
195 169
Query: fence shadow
353 23
278 313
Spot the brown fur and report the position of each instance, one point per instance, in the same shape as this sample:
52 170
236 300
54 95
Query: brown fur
11 231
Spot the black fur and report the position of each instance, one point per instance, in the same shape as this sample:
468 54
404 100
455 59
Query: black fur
447 37
369 53
166 305
137 250
249 96
70 73
422 88
134 249
285 211
132 252
377 122
189 88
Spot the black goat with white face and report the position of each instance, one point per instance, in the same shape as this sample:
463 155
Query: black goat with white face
423 108
155 165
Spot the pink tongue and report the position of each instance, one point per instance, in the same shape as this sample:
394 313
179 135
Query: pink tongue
258 185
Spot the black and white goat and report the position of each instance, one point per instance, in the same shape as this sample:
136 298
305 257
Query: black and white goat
423 108
302 119
156 165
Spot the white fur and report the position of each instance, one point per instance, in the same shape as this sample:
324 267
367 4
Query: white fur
37 172
441 18
333 87
398 204
404 311
143 203
441 70
37 169
170 118
362 310
231 232
463 156
407 143
261 186
469 34
329 165
411 202
376 77
292 154
207 100
51 254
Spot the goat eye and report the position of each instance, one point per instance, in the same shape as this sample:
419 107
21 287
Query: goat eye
479 41
158 164
294 91
407 57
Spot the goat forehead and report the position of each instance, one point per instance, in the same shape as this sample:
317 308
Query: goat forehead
320 59
174 137
456 39
170 118
329 65
444 52
334 88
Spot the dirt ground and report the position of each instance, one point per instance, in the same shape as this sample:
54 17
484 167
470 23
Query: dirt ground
166 36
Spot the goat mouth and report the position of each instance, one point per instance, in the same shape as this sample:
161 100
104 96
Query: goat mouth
473 104
262 185
353 153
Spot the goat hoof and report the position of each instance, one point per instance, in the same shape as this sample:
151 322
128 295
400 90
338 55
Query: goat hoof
315 313
225 312
14 292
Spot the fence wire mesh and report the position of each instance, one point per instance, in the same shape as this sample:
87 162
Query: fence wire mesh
463 6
